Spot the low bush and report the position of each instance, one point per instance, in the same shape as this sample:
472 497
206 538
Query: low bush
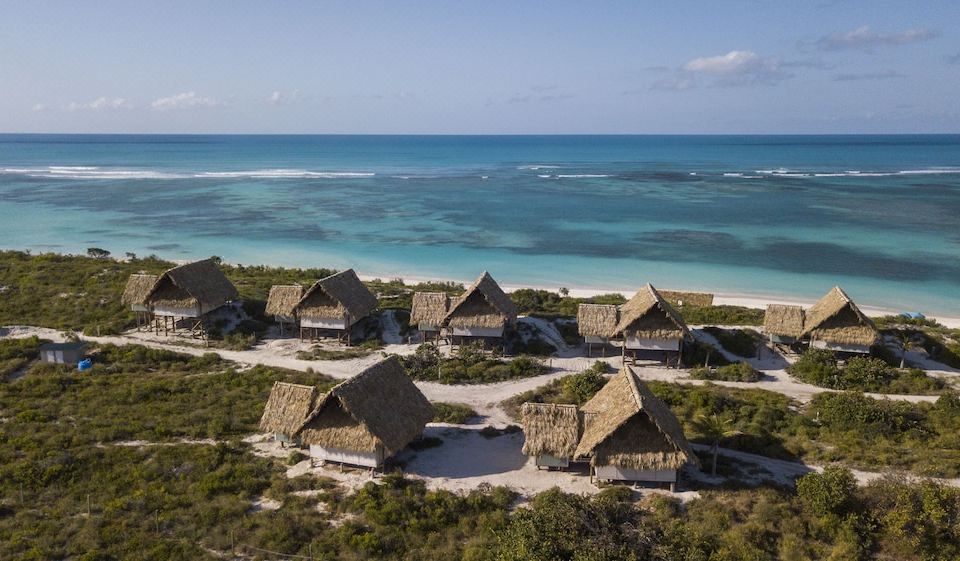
821 368
741 342
453 413
737 372
470 365
721 315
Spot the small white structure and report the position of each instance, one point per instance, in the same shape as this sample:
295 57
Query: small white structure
63 353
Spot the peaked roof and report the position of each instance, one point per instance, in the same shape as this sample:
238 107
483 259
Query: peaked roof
338 295
783 320
550 428
200 283
138 288
648 315
836 319
618 421
283 299
288 407
379 406
597 320
483 304
429 308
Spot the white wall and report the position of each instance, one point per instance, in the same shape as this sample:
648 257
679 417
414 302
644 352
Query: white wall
840 347
551 461
477 331
169 311
323 323
637 343
627 474
351 457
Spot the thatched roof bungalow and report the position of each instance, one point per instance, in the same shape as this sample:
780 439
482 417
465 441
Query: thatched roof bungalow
648 322
428 310
681 298
551 433
336 303
783 323
629 434
137 290
287 408
282 303
191 291
484 310
836 323
367 418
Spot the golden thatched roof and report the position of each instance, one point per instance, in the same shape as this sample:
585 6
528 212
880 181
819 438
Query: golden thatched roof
783 320
624 424
597 320
200 284
550 428
429 308
287 407
648 316
675 297
283 299
336 296
484 304
137 289
379 406
836 319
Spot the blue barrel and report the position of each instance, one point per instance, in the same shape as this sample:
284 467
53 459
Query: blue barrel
85 364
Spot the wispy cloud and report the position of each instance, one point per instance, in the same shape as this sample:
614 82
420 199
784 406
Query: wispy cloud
953 59
883 75
671 84
99 104
184 100
280 98
735 68
865 38
39 107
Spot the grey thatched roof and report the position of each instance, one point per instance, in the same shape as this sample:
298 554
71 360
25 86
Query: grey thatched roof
836 319
484 304
288 407
648 315
783 320
550 428
597 320
624 424
283 299
339 295
138 289
379 406
199 284
429 308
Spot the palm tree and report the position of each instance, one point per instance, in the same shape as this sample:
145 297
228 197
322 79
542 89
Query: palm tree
715 429
904 340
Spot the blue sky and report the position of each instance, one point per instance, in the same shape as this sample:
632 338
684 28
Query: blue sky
480 67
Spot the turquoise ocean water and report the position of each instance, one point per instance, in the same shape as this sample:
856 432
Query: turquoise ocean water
767 215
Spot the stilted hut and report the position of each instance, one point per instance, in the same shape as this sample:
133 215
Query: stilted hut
650 327
836 323
483 311
630 435
596 323
282 303
783 324
335 303
135 295
189 292
551 433
368 418
287 408
427 313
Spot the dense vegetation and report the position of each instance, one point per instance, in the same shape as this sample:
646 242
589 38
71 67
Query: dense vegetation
15 354
546 304
453 413
820 367
469 365
721 315
741 342
574 388
737 372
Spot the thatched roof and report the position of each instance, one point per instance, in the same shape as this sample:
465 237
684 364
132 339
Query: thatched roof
338 296
783 320
648 316
288 407
597 320
379 406
137 289
836 319
550 428
624 424
484 304
199 284
675 297
283 299
429 308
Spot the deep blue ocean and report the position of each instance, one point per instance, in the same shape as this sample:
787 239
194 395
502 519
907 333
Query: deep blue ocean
766 215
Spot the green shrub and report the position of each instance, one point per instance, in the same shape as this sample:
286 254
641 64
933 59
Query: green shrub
721 315
741 342
470 365
870 374
828 493
737 372
453 413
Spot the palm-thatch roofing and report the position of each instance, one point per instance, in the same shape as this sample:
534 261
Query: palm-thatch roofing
783 320
200 284
678 298
288 407
836 319
341 295
597 320
380 406
137 289
648 316
484 304
625 425
550 428
429 308
283 299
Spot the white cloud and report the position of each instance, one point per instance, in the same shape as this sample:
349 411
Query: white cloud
100 104
280 98
673 84
866 38
184 100
39 107
735 68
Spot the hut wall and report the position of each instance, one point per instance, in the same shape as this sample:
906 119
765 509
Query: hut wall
643 344
139 308
323 323
841 347
594 339
546 460
429 328
351 457
477 331
617 473
782 339
285 319
61 356
170 311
